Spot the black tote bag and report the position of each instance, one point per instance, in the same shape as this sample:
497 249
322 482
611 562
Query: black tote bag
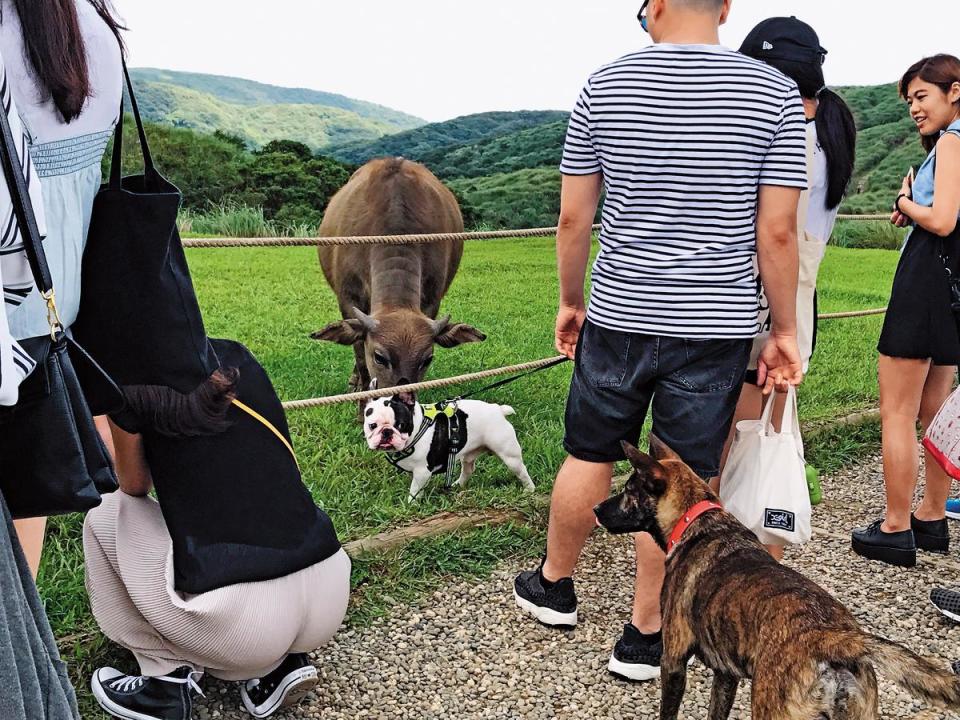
139 314
52 459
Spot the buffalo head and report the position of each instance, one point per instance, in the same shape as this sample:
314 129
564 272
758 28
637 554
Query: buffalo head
397 344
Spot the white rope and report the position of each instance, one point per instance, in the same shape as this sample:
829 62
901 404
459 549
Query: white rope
369 239
851 314
417 387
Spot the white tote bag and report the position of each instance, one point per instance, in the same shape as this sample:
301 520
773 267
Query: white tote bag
764 484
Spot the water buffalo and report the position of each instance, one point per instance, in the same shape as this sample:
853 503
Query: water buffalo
389 295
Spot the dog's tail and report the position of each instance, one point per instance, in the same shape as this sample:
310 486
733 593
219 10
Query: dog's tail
923 678
507 410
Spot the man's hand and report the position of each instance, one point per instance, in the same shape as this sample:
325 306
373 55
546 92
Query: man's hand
569 322
779 365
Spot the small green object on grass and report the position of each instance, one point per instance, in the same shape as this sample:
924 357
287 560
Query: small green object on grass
813 485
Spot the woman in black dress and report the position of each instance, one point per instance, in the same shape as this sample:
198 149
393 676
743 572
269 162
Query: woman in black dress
920 344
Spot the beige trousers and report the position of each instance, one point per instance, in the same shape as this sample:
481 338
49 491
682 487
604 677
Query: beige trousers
237 632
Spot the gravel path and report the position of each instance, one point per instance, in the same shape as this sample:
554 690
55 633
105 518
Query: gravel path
468 652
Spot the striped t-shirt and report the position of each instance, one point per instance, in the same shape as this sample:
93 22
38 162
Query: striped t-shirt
683 135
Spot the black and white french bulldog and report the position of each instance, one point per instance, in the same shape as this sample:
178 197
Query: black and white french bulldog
389 424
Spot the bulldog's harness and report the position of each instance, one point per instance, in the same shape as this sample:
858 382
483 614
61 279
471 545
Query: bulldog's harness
449 439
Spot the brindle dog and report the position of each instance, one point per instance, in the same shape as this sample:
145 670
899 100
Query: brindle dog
728 602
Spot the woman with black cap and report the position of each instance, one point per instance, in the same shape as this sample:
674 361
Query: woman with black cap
233 570
793 47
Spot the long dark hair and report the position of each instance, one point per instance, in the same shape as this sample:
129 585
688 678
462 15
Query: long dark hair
836 127
940 70
55 49
174 414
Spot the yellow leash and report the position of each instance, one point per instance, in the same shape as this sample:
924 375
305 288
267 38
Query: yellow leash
269 425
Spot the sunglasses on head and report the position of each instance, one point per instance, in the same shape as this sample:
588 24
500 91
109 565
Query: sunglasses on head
641 16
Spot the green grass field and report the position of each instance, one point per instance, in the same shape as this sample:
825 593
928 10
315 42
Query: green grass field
272 299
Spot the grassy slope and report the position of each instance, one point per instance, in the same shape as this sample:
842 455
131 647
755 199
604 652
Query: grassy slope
248 92
272 299
318 126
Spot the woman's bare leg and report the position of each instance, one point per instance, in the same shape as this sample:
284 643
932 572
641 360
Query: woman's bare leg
902 383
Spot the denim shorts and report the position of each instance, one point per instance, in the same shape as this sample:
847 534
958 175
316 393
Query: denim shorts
693 386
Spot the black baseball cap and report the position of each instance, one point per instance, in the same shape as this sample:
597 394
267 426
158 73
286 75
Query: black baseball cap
784 38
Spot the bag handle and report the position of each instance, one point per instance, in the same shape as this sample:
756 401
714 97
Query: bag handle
789 420
116 163
16 170
269 425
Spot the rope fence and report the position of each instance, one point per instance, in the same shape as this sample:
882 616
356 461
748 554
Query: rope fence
357 397
368 239
419 387
416 239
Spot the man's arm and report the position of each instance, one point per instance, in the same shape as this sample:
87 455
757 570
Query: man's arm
579 198
778 257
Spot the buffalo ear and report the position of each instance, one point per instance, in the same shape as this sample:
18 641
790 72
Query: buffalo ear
660 450
449 336
345 332
651 474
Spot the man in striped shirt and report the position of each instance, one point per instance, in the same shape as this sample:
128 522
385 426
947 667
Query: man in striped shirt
701 152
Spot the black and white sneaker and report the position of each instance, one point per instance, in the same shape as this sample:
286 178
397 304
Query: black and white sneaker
947 602
636 656
552 603
135 697
282 688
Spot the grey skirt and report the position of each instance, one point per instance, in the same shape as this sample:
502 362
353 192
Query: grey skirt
33 679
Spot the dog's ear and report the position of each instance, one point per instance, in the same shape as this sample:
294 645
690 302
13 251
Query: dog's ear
660 450
652 475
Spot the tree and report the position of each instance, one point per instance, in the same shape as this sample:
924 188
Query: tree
291 147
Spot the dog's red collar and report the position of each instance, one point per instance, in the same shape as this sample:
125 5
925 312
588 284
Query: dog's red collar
687 520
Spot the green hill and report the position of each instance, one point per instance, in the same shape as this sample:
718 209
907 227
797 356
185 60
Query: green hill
260 113
539 146
445 136
503 165
887 145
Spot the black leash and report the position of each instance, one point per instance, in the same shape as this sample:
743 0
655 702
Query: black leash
513 378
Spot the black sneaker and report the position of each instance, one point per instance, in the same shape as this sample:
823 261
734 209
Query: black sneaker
636 656
897 548
931 535
282 688
135 697
553 604
947 602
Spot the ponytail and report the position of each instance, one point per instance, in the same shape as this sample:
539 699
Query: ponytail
837 135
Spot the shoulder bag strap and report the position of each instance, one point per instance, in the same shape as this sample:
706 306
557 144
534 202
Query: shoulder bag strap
116 162
16 168
269 425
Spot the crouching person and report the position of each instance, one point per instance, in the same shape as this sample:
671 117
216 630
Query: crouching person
232 571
